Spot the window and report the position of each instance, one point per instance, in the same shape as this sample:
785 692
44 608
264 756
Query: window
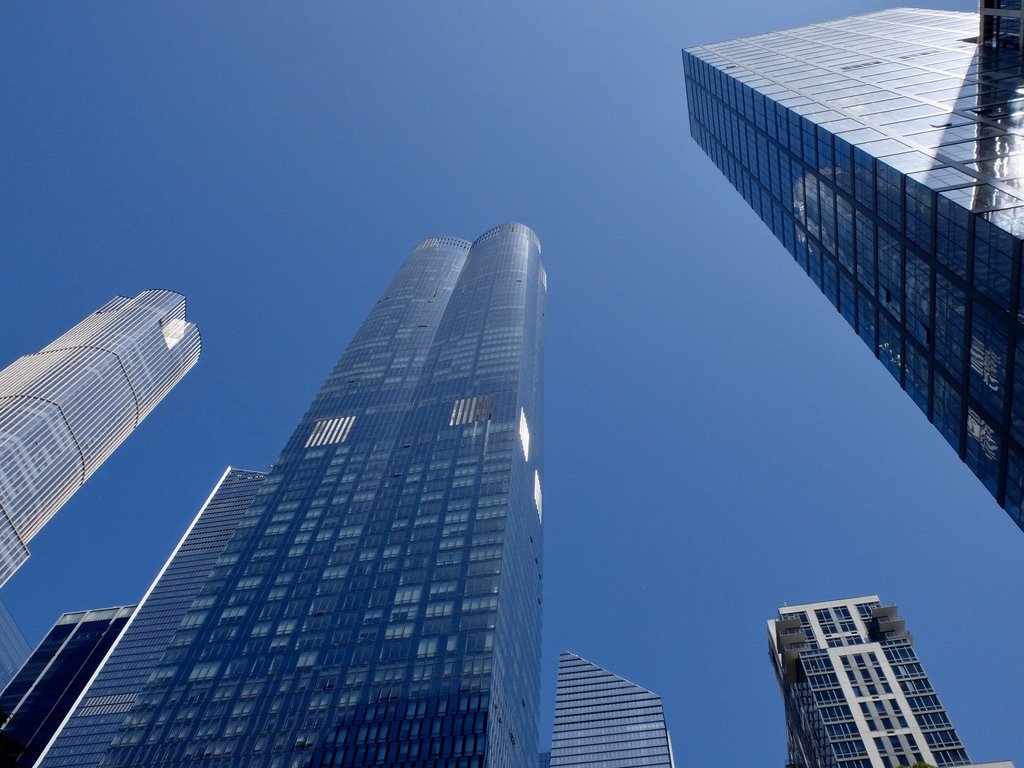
330 431
468 410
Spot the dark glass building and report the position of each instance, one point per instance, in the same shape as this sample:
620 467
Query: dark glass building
379 602
100 709
1001 22
855 693
885 152
605 721
44 690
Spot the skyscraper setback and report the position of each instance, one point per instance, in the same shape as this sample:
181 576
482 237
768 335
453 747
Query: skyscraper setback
66 408
883 151
379 602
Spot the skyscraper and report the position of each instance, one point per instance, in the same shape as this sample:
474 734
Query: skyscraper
98 704
13 646
855 694
64 409
379 603
604 721
883 151
43 691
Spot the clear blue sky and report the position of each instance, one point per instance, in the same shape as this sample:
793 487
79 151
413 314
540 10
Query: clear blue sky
718 440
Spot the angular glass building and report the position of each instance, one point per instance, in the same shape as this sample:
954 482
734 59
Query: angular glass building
885 152
45 688
64 409
855 693
14 649
96 707
604 721
379 602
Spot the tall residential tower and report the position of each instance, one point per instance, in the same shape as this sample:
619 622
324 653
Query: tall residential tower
64 409
855 694
885 152
379 602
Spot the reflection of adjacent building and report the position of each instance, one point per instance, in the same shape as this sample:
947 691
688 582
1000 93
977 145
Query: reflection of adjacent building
885 151
66 408
855 693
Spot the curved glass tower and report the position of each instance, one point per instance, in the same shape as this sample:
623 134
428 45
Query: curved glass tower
379 603
64 409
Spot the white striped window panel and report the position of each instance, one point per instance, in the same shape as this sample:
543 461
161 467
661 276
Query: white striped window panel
330 431
471 409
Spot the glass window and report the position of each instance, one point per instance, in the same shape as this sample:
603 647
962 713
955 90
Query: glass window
993 261
988 358
951 232
947 411
950 326
919 207
865 249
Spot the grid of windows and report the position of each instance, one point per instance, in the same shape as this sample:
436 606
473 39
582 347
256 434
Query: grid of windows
100 710
864 703
379 602
605 721
885 152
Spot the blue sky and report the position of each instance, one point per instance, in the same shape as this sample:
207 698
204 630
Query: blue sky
719 442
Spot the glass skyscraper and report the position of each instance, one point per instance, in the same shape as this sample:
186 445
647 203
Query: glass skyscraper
101 700
1001 22
855 693
605 721
379 602
14 649
64 409
885 152
45 688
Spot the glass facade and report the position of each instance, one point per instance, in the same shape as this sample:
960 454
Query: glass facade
605 721
1001 24
101 708
886 152
379 602
14 649
66 408
42 693
855 693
